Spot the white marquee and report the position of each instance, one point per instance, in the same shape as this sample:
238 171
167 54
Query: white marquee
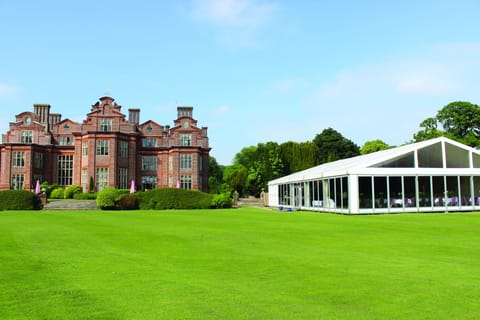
435 175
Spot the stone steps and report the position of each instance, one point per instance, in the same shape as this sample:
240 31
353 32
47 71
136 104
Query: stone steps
71 205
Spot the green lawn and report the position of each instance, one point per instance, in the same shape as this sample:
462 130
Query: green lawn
238 264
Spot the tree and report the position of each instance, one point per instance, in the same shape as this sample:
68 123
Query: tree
215 176
461 121
333 146
373 146
298 156
236 176
262 162
429 131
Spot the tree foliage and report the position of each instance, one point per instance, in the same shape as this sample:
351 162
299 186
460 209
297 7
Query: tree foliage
373 146
298 156
333 146
430 130
215 176
461 120
236 177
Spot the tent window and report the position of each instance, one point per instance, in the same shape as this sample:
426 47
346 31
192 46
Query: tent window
431 156
456 157
405 161
365 192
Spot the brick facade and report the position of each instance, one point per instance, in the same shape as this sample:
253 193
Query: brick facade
107 147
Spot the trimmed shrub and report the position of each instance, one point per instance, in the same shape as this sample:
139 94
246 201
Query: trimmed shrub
19 200
85 196
222 200
48 188
70 191
127 202
57 193
106 198
170 198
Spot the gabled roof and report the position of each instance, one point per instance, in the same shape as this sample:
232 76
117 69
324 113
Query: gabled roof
399 157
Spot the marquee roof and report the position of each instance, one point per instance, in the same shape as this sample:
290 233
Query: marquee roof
438 154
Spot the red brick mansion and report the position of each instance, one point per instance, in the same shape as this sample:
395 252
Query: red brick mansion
107 147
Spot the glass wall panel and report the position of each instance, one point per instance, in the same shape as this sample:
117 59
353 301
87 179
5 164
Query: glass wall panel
299 196
452 191
476 190
345 192
338 192
316 195
284 194
331 200
320 191
404 161
438 191
365 192
476 160
456 157
465 191
424 191
380 186
395 188
431 156
409 192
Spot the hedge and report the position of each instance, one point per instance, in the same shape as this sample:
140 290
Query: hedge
19 200
71 190
171 198
222 200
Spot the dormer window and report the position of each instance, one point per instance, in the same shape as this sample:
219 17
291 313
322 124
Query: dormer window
28 121
105 124
26 136
66 127
149 128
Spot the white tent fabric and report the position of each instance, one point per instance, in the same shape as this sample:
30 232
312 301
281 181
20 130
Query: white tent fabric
374 165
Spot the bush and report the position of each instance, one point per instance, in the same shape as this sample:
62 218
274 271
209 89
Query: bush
170 198
106 198
222 200
48 188
85 196
127 202
57 193
19 200
70 191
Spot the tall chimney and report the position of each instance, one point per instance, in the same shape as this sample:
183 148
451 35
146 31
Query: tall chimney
54 118
134 115
43 112
184 112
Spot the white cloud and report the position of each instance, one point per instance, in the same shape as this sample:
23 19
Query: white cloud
238 13
234 23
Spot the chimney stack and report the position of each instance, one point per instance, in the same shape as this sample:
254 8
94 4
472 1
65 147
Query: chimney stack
134 116
42 111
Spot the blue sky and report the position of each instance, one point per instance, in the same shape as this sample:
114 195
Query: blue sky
254 70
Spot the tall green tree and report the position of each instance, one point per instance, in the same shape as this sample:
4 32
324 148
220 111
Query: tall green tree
461 120
235 176
262 162
297 156
373 146
429 130
333 146
215 176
